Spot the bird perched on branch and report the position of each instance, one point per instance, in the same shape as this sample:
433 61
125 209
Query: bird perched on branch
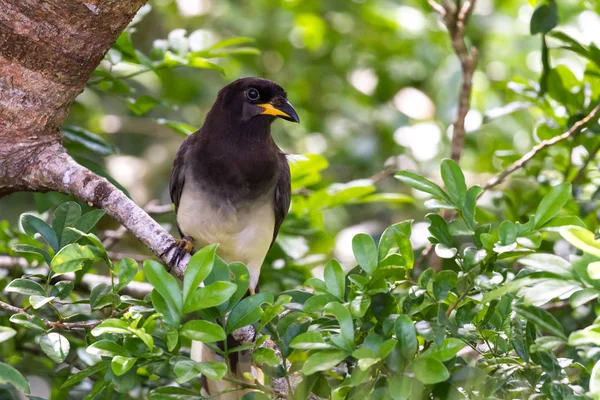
231 185
230 182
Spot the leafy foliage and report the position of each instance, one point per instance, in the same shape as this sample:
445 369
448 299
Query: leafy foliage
506 307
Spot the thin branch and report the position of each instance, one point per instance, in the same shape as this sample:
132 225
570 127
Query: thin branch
50 324
456 19
90 281
521 162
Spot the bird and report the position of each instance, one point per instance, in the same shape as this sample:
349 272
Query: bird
230 182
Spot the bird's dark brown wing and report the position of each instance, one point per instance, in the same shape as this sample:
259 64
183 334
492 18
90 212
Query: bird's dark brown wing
178 172
283 194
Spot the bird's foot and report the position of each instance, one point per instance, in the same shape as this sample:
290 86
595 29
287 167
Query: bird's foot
182 247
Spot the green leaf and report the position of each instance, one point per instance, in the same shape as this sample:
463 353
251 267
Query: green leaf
120 365
164 283
172 393
234 41
89 140
179 127
366 358
264 355
365 252
56 346
170 314
429 371
21 319
406 335
310 341
185 371
344 318
198 268
10 375
561 220
203 331
470 205
582 239
422 184
247 311
210 296
142 105
97 388
215 371
242 280
595 380
106 348
111 326
274 310
85 223
62 289
25 248
71 258
454 180
582 297
255 396
172 337
542 318
64 216
518 339
400 387
96 242
125 270
315 304
335 279
32 225
100 296
446 351
396 240
507 232
323 360
552 203
26 287
6 333
84 373
548 263
38 302
439 229
586 336
544 18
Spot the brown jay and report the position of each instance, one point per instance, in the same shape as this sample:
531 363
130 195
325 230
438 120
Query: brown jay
230 182
231 185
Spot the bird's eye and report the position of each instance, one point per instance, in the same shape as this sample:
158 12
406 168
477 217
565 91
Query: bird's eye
252 94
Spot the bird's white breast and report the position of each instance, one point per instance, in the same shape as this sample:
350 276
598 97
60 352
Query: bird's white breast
244 232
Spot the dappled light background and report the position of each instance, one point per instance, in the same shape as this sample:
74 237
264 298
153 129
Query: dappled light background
375 82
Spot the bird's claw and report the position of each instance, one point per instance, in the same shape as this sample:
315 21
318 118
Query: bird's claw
182 247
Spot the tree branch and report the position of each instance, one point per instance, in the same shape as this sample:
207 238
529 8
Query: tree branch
456 19
521 162
50 324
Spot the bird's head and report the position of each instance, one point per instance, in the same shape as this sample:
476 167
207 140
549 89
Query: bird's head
254 100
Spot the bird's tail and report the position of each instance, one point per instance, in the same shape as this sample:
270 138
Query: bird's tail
240 364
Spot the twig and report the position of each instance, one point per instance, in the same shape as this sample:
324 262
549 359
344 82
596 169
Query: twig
50 324
134 289
520 163
456 19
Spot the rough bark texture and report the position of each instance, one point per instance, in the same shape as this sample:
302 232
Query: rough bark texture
48 50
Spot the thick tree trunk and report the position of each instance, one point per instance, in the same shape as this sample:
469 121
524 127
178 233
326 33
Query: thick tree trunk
48 50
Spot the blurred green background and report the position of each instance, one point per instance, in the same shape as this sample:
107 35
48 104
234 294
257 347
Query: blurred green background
374 82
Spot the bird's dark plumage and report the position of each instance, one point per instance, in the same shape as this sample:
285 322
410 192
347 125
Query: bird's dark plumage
227 172
231 185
